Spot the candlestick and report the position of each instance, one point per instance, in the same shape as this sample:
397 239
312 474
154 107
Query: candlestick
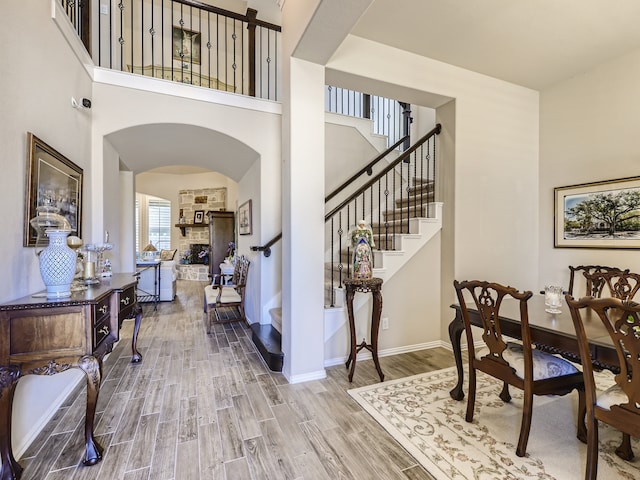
89 270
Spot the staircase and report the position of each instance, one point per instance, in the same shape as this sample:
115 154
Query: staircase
398 203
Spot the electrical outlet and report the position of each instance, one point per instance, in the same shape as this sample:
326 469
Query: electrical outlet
104 9
385 323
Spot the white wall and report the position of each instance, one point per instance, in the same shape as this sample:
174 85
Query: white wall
588 133
36 86
494 167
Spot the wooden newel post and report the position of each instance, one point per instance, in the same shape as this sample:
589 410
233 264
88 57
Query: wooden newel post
251 28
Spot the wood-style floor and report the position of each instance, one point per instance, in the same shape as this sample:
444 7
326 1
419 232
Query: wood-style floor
206 407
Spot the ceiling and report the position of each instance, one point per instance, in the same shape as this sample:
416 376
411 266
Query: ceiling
533 43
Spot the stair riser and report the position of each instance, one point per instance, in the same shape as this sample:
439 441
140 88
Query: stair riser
411 200
413 211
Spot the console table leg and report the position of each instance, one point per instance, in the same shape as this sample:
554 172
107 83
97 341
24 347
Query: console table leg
136 357
352 329
456 327
9 468
91 367
375 326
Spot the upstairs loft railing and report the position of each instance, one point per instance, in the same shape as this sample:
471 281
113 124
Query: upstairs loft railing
390 117
405 189
183 41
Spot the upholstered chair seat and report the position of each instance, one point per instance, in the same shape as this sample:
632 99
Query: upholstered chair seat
545 365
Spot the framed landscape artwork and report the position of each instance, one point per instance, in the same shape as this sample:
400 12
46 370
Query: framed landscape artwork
52 181
598 215
244 218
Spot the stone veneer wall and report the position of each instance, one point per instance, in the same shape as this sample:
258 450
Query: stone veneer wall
216 199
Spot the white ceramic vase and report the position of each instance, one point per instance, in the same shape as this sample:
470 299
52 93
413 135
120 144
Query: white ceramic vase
58 264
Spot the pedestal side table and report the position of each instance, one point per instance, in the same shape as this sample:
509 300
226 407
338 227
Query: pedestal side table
374 286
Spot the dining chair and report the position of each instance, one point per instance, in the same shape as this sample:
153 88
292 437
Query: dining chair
621 284
587 270
518 364
224 302
618 406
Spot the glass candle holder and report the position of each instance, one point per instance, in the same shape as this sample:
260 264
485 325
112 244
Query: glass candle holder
553 298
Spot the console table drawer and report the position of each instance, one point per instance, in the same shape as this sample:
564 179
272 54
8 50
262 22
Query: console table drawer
127 298
101 310
126 304
100 332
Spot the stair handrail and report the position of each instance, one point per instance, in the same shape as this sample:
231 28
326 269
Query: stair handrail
434 131
266 248
366 169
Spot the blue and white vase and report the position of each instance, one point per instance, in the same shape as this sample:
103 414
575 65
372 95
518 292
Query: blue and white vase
58 264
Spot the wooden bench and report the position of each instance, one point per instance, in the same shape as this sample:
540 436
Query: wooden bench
224 303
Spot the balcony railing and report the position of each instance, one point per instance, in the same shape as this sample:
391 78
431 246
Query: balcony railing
183 41
390 117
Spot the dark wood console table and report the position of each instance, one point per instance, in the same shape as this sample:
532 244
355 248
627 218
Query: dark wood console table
43 336
373 285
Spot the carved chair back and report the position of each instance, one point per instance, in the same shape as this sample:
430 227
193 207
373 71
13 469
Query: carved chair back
487 299
587 270
225 303
620 405
623 285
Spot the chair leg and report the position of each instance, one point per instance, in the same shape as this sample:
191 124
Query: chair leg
582 415
527 412
471 399
208 318
592 450
505 396
625 451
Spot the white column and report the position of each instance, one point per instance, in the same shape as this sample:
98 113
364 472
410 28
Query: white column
303 223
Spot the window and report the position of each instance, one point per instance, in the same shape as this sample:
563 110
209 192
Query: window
153 222
159 212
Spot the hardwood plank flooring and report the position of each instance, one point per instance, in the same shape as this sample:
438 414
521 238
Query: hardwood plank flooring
206 407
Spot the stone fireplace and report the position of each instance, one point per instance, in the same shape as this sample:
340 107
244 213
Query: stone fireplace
196 236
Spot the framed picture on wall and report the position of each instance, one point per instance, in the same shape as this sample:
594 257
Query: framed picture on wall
598 215
186 45
54 183
198 216
244 218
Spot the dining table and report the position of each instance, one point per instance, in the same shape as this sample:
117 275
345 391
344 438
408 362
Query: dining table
550 332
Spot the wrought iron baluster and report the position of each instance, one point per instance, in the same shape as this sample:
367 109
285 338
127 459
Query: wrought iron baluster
379 211
432 185
386 208
340 234
131 36
348 242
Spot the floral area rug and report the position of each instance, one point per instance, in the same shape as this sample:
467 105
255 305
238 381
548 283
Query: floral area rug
419 413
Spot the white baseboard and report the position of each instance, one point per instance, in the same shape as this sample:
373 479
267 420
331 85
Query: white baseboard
41 423
365 354
307 377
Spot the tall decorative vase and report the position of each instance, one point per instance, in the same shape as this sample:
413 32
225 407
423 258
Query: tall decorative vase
58 264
